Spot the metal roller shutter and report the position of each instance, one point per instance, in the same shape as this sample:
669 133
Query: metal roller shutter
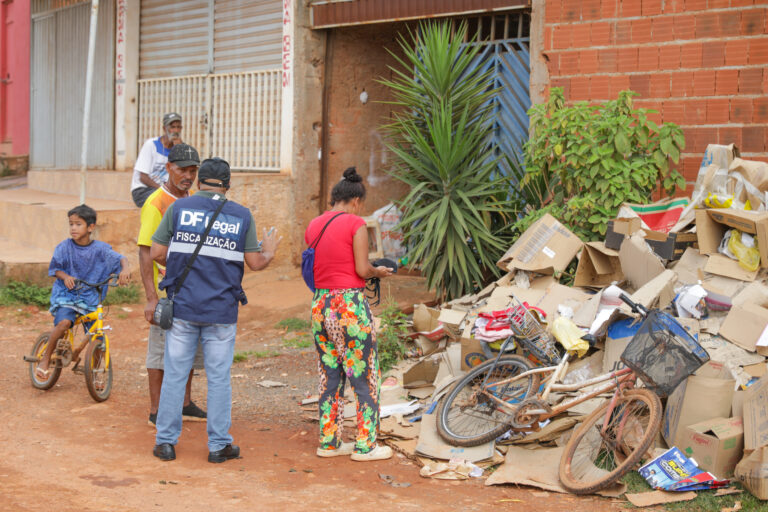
247 35
174 38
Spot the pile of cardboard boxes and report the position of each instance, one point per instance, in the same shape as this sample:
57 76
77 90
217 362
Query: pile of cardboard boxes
719 416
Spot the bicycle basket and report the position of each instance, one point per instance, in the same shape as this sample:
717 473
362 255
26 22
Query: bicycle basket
662 353
531 335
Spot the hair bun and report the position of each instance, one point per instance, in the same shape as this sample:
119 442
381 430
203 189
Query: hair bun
351 175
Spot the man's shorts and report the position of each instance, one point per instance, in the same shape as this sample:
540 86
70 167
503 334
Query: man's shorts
156 350
63 313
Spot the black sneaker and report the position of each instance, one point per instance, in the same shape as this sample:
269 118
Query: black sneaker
164 451
192 412
228 452
152 420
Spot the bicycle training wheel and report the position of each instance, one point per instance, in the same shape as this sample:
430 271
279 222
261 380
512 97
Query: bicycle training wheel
467 416
98 376
594 459
54 370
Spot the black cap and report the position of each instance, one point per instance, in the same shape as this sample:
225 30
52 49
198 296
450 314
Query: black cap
214 172
183 155
170 117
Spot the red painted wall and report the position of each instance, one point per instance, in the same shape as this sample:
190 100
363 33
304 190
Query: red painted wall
703 64
14 67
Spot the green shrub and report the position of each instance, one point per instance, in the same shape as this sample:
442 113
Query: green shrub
390 336
442 141
586 160
130 294
19 293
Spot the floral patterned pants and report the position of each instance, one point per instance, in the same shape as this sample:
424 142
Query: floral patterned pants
345 339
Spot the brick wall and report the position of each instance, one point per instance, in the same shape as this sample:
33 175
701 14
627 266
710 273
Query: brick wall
702 64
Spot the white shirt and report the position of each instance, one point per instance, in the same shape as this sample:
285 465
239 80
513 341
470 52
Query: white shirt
151 161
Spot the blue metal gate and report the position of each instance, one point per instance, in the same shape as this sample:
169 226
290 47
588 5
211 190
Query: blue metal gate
505 42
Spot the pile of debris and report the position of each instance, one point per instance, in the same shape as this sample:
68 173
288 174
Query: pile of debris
704 260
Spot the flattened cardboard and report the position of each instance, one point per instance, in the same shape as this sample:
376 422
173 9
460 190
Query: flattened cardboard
684 405
669 246
737 406
712 224
638 262
598 266
648 499
537 468
544 247
725 266
717 445
744 325
431 445
557 295
756 415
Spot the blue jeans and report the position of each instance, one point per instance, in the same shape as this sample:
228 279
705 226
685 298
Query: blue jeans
218 341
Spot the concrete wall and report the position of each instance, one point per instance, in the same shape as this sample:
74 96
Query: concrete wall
14 71
701 63
358 58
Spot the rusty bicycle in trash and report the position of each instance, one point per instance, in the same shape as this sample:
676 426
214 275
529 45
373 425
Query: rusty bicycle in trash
97 364
504 394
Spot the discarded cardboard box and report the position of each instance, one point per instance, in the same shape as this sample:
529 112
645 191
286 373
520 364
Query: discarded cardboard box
638 262
669 246
717 445
747 318
471 350
422 373
544 247
684 405
598 266
752 472
658 292
451 320
737 406
756 415
712 224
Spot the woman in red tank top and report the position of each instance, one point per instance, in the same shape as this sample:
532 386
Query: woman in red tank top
342 323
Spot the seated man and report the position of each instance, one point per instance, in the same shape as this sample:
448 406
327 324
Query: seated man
150 172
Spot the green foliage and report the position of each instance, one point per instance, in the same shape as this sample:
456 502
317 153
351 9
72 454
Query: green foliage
19 293
390 336
441 137
242 356
130 294
585 160
303 341
292 324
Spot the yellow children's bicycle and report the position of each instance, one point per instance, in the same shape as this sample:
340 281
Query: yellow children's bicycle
97 366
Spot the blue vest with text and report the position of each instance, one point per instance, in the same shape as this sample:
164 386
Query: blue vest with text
212 290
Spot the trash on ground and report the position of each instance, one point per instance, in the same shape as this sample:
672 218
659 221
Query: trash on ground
673 471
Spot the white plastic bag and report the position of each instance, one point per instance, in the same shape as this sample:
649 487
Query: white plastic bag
391 240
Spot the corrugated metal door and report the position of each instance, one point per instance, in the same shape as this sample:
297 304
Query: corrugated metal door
57 118
247 35
174 38
43 93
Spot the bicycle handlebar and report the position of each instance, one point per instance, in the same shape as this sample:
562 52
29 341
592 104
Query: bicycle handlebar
636 308
110 281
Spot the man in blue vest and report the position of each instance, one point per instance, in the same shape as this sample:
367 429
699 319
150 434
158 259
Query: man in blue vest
205 307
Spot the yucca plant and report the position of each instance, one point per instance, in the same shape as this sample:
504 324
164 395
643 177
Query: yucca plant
441 137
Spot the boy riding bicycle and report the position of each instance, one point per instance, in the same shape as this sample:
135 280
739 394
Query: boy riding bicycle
78 257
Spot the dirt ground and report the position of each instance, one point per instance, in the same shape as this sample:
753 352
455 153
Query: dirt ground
61 451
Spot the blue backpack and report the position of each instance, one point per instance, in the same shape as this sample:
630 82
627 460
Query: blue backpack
308 258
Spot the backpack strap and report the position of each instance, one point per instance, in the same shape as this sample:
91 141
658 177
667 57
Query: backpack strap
313 245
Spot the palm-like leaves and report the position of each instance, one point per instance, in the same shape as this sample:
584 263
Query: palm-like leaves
442 140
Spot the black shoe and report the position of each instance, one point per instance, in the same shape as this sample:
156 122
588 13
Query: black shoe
228 452
152 421
192 412
164 451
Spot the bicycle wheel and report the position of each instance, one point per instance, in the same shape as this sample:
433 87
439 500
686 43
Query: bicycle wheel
594 459
98 375
468 417
54 370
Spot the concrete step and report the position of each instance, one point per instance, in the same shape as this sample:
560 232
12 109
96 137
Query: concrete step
22 263
34 222
112 185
